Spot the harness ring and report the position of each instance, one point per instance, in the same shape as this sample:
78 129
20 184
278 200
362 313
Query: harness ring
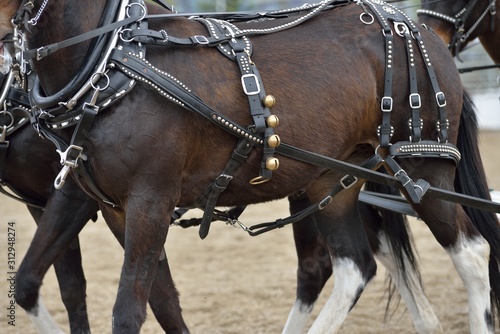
369 21
144 11
94 78
5 112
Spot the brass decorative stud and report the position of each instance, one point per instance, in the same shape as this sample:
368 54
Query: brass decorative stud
272 164
273 121
274 141
269 101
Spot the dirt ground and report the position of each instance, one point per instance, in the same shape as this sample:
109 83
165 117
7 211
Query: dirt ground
233 283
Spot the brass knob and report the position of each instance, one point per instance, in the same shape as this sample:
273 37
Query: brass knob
272 164
273 121
269 101
274 141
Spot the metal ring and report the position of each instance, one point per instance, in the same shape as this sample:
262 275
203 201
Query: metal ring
123 39
370 21
99 87
144 11
11 118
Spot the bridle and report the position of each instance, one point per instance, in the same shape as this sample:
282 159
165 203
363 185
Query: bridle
459 19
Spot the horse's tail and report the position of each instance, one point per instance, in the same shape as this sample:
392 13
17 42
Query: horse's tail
470 179
400 241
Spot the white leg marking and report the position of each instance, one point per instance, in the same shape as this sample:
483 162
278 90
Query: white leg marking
422 314
347 283
42 320
470 257
297 318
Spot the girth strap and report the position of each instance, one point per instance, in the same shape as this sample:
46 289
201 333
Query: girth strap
220 184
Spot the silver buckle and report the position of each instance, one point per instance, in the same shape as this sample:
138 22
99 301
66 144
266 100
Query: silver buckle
440 95
201 39
418 102
388 100
250 84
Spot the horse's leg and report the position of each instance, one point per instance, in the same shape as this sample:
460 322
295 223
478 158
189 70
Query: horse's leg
144 239
314 265
353 264
392 245
66 213
469 252
72 284
145 234
465 243
164 298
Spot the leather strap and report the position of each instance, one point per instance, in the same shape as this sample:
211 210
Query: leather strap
416 190
220 184
415 101
47 50
345 182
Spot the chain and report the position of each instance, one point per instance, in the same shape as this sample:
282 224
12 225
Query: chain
34 20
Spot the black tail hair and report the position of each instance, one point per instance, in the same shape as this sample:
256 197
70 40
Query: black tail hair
395 226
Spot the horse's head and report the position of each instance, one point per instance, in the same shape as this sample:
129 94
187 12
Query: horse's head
458 22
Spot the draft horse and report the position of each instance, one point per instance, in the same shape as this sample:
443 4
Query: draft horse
144 154
24 179
459 22
22 176
28 178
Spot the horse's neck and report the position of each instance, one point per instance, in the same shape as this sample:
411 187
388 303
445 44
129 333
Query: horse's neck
491 39
63 20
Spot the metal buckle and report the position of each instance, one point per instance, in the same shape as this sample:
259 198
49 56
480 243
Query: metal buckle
417 103
440 99
250 84
324 202
41 52
386 104
201 39
348 181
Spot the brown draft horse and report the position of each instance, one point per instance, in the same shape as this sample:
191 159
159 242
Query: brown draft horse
163 156
31 175
33 184
459 22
